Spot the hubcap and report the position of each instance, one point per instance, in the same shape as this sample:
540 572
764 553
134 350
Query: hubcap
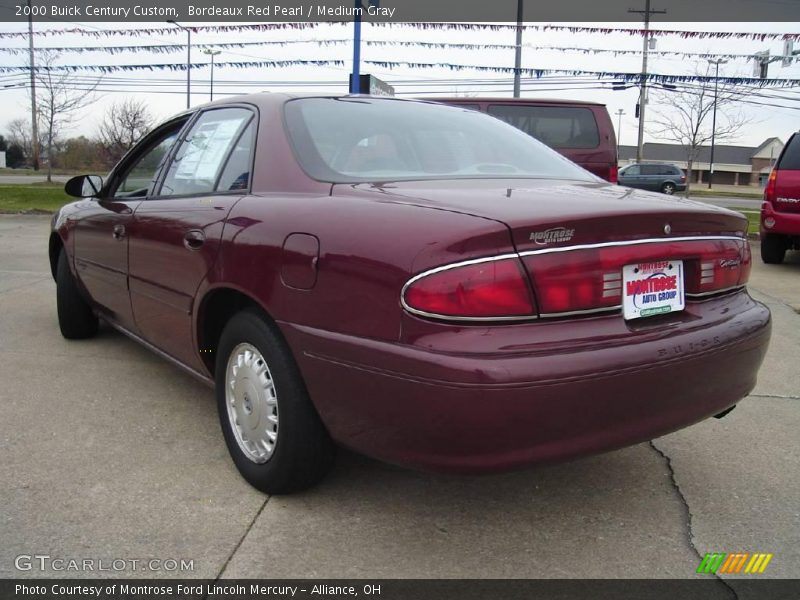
252 403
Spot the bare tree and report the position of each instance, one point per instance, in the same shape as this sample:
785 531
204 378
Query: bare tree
59 100
19 133
685 116
123 125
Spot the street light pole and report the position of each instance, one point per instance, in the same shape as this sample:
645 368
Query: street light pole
716 63
620 113
212 54
188 61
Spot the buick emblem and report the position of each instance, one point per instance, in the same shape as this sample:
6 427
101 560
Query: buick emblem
667 229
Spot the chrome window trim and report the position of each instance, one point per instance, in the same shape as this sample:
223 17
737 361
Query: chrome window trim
715 292
520 255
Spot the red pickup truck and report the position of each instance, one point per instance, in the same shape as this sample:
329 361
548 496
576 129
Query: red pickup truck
780 211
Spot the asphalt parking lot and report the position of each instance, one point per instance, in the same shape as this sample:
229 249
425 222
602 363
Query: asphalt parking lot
108 452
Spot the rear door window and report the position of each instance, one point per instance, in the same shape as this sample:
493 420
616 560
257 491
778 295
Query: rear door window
652 170
556 126
201 157
791 156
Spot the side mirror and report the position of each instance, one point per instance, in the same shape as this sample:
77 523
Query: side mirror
84 186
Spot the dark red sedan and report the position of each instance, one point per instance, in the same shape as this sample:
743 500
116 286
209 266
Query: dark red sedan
422 283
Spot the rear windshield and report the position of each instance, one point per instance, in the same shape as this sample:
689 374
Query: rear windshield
556 126
791 156
368 139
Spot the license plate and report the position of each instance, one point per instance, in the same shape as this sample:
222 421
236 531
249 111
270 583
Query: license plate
652 288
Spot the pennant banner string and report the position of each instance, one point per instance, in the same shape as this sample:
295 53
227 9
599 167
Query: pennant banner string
176 48
528 72
98 33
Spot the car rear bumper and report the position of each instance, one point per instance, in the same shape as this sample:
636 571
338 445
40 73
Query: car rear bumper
785 223
477 412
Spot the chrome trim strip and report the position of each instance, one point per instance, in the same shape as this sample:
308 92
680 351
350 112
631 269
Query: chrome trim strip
632 243
612 285
712 293
588 311
520 255
422 313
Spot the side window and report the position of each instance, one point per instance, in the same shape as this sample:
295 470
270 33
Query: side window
651 170
632 170
236 174
202 155
142 173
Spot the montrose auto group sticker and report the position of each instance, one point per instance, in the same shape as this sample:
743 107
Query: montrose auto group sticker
652 288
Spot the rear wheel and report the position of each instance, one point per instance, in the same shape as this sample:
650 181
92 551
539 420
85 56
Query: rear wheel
773 249
75 317
668 188
272 431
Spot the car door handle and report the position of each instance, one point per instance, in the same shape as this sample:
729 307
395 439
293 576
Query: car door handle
193 239
118 232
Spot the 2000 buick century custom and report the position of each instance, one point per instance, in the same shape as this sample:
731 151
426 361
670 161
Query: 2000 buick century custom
421 283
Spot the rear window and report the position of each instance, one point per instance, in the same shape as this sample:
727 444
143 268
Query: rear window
791 155
556 126
368 139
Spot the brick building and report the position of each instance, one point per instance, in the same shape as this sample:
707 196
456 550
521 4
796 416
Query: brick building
733 165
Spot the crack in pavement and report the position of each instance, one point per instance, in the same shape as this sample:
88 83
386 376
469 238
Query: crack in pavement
688 512
791 306
239 543
777 396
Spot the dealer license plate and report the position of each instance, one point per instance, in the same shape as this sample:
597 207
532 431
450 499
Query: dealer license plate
652 288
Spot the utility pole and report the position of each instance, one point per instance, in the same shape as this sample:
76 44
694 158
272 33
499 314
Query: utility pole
212 54
643 84
518 51
34 124
620 113
716 63
188 61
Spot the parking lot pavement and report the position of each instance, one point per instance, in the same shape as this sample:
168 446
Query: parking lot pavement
108 452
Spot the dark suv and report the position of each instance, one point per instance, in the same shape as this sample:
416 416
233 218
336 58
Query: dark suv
658 177
780 211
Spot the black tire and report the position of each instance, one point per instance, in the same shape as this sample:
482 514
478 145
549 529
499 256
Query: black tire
773 249
303 451
76 319
668 188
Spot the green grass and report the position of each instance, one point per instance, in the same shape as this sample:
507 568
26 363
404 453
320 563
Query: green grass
39 197
699 193
753 218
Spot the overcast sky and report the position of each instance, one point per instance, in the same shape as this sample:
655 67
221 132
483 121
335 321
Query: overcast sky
767 121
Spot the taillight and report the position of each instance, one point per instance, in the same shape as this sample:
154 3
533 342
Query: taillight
489 289
589 279
566 281
683 178
613 173
772 184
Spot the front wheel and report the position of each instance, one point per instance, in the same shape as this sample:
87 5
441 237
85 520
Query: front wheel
76 320
272 431
773 249
668 188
